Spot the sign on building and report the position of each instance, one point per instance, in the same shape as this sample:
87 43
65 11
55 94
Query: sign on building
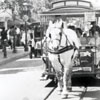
25 18
89 16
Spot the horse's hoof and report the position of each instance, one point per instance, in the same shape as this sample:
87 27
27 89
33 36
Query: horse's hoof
64 96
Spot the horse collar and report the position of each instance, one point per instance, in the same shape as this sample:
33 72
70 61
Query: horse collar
67 48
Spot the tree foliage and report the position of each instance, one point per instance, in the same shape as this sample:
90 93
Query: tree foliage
35 6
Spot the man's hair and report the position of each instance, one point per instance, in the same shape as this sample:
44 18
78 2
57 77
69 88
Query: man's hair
93 22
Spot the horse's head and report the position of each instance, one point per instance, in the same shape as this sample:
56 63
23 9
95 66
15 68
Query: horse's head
54 38
57 37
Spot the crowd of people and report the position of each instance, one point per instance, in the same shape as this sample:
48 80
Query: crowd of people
16 35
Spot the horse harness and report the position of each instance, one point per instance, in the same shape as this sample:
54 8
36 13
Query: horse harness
64 49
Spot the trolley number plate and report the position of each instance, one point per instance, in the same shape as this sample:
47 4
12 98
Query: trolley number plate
85 54
86 69
82 69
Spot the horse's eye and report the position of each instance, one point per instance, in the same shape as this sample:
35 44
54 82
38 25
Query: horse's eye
49 35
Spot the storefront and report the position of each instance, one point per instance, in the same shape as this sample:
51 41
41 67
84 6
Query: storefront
5 15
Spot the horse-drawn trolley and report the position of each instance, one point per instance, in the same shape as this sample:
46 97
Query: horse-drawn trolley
81 14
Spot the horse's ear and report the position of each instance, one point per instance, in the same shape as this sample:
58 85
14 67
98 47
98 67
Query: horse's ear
50 23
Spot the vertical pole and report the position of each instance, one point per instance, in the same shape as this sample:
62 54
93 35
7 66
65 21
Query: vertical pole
14 32
14 41
26 47
4 49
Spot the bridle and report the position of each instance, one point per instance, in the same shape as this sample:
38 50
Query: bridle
60 48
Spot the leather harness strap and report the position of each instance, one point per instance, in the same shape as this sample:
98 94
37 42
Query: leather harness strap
60 50
64 49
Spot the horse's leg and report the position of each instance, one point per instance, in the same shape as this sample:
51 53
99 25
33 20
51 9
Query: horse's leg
65 82
60 81
67 72
59 75
69 87
58 69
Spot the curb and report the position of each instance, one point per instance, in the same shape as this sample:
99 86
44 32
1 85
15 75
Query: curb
7 60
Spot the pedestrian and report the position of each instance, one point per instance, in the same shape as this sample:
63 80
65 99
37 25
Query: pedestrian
12 36
3 37
32 42
23 38
18 36
94 28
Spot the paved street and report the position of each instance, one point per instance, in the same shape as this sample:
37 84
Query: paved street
79 92
12 56
20 80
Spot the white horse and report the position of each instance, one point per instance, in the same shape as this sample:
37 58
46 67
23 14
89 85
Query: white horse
61 51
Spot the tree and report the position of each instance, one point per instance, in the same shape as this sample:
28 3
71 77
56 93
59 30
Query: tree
34 6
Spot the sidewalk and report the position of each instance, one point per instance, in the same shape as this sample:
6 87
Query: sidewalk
12 56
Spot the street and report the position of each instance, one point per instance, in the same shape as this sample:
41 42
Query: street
82 89
20 80
62 33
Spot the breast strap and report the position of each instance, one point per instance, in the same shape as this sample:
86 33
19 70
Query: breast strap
64 49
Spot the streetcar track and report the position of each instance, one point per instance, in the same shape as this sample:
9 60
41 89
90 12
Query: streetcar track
48 95
81 96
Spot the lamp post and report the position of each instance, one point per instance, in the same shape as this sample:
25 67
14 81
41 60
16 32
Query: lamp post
25 18
13 28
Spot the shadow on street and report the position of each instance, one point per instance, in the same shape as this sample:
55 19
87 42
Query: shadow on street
85 81
11 71
82 81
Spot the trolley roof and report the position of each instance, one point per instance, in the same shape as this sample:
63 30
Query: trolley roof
69 8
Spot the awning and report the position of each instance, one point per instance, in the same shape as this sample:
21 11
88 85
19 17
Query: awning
15 22
68 11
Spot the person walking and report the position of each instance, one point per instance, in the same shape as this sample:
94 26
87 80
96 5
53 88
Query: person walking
4 41
3 36
94 28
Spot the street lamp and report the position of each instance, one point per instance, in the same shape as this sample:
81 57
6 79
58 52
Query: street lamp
25 18
13 29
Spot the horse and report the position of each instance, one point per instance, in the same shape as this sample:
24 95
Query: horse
63 44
